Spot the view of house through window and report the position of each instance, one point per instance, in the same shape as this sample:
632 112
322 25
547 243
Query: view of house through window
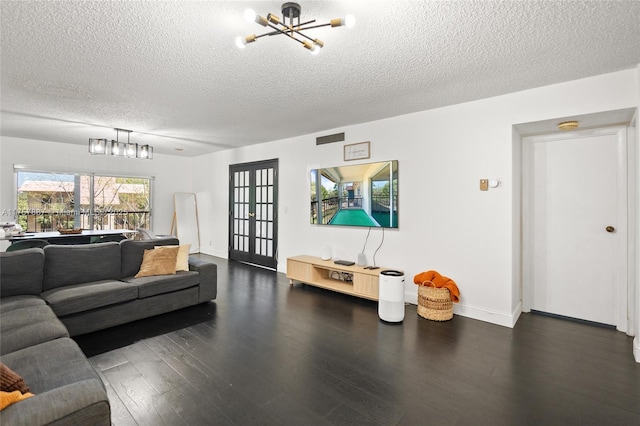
50 201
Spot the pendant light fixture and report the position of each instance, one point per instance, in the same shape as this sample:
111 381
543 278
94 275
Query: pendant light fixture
120 149
291 26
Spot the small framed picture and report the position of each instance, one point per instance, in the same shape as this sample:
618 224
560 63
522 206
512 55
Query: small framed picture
357 151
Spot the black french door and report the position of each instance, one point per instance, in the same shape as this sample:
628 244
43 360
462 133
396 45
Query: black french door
253 213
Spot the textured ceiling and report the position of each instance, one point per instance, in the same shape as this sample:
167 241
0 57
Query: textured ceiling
170 71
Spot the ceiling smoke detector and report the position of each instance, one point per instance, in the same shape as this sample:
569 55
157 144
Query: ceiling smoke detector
568 125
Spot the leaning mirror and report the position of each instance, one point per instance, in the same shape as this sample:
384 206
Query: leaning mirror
186 219
356 195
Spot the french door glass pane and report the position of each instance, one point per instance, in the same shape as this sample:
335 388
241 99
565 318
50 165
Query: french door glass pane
241 210
263 244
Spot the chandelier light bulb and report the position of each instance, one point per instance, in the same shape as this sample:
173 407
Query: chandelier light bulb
313 48
349 21
97 146
249 15
132 150
241 42
144 153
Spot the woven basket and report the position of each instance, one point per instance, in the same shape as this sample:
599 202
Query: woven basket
434 303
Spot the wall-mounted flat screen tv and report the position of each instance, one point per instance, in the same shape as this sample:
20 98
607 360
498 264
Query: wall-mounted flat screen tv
356 195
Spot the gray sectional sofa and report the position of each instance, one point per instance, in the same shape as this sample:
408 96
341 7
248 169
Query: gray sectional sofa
49 295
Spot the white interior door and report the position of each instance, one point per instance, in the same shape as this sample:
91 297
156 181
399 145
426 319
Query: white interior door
578 211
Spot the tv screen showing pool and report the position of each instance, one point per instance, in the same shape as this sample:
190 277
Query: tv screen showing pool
356 195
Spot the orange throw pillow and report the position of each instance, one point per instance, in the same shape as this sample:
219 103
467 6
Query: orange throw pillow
158 261
8 398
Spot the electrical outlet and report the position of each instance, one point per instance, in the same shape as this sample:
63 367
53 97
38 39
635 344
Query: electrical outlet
484 184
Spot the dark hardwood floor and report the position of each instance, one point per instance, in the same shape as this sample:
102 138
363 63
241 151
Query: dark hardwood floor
268 353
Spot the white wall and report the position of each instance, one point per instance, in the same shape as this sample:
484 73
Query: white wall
636 269
445 222
172 173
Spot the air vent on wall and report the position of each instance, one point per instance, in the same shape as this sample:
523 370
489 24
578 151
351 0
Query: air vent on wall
338 137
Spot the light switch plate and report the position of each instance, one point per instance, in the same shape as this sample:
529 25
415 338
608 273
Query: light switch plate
484 184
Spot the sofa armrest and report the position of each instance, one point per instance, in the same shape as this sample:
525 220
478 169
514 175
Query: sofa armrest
78 403
208 278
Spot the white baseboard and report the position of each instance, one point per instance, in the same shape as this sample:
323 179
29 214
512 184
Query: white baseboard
211 252
636 348
493 317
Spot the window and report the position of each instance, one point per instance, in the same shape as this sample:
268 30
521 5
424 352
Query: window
48 201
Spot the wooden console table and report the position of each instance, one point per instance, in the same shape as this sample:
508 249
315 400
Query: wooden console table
317 272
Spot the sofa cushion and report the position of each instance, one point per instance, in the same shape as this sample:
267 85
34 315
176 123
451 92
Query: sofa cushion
21 272
29 326
67 389
18 302
159 261
79 403
152 286
83 297
132 252
75 264
50 365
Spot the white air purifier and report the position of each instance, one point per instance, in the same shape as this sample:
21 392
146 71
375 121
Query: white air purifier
391 296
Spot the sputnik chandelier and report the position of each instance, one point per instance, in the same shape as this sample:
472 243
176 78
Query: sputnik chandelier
292 29
120 149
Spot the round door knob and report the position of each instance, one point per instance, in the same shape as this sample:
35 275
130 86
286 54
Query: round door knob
610 229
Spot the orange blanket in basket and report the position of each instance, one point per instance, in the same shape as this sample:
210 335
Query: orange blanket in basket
434 279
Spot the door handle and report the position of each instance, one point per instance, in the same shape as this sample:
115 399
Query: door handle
610 229
252 214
